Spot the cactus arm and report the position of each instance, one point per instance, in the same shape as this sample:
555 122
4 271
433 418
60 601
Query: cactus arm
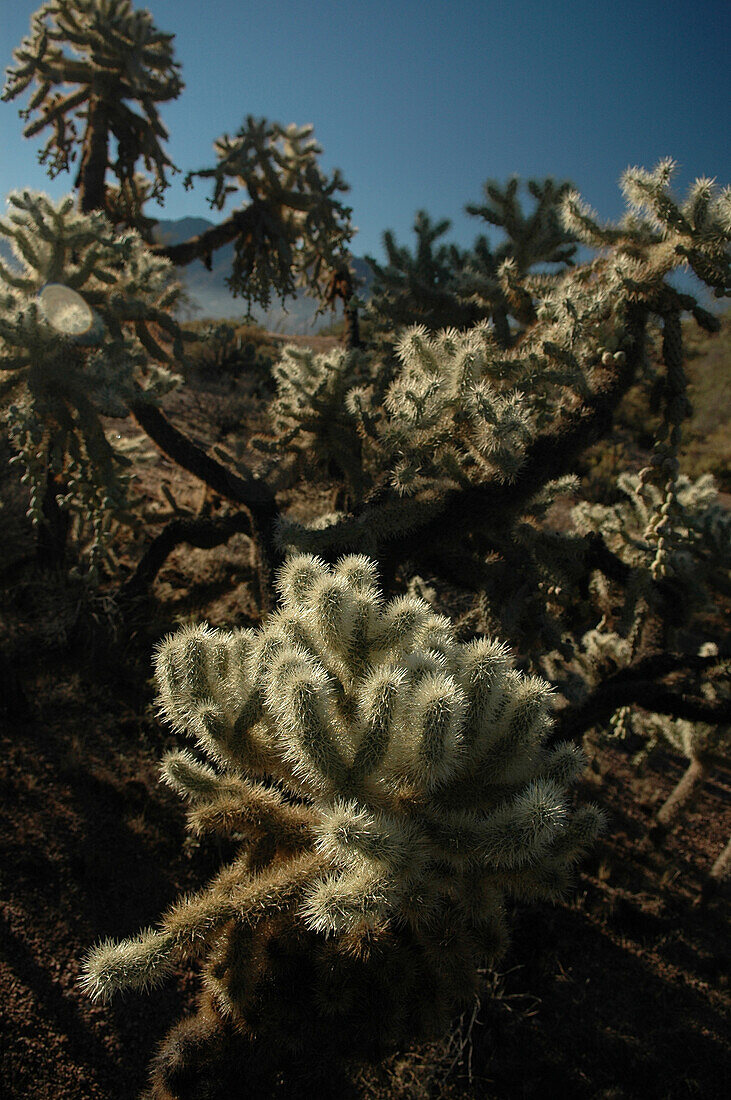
240 223
684 792
379 821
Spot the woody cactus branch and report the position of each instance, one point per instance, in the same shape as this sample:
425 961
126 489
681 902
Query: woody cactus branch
625 688
202 533
200 247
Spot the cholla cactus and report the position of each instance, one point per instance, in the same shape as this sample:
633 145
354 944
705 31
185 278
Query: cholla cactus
309 417
493 280
446 416
459 411
697 547
420 288
300 229
392 790
698 559
85 316
446 287
118 55
657 235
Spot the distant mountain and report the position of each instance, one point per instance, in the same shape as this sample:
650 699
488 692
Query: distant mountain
210 297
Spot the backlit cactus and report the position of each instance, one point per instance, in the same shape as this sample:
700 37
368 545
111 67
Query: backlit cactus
85 329
309 417
390 789
118 56
697 542
298 228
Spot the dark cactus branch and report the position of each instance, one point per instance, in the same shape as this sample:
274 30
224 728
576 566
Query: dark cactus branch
254 494
203 533
240 224
94 158
632 686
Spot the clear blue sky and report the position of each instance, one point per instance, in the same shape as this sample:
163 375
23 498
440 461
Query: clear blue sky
419 101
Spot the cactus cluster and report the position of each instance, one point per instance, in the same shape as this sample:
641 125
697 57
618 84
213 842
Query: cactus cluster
118 55
696 574
390 788
458 412
697 546
447 287
456 409
299 228
86 328
309 417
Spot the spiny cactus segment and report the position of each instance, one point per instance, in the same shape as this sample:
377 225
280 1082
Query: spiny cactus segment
389 781
309 417
697 548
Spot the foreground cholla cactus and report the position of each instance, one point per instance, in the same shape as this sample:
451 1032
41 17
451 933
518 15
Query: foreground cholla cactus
391 789
86 328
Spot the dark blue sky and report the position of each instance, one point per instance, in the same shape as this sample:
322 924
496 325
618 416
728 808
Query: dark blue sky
419 101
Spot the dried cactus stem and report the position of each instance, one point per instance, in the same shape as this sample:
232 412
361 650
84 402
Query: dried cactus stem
682 795
255 495
53 533
208 1047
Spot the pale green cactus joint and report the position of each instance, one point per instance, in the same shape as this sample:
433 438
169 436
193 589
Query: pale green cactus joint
397 775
